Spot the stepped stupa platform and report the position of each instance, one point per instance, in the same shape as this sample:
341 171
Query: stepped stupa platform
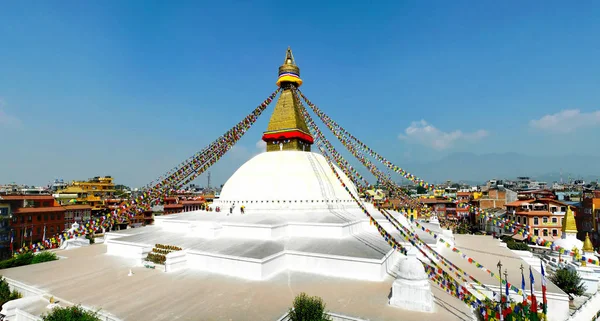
259 245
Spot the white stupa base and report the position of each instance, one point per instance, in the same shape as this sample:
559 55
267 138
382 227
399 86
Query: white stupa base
258 246
74 243
412 295
411 289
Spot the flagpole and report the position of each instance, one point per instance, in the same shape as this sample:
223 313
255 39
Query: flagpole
523 285
506 280
499 265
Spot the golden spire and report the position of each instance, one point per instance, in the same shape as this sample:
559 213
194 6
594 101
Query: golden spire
287 129
569 225
289 72
587 244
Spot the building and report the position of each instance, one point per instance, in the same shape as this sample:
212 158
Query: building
590 215
5 232
77 214
544 216
92 192
172 206
493 198
32 217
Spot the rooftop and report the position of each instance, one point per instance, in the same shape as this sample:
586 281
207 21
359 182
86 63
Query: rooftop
77 207
26 197
26 210
211 296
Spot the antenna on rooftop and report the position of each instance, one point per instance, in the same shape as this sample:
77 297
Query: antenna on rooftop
208 185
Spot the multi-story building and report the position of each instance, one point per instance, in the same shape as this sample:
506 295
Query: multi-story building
544 216
32 217
92 192
590 217
4 229
172 206
494 197
77 214
445 208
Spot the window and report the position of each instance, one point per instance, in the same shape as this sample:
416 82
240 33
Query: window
45 217
536 232
29 218
554 232
545 220
39 218
39 230
563 208
536 221
3 210
545 231
554 220
52 217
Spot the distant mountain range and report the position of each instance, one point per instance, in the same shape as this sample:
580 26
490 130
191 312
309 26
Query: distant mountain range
474 168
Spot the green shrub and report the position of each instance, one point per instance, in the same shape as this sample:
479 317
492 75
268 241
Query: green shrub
568 280
5 293
74 313
24 259
518 246
15 295
308 309
44 257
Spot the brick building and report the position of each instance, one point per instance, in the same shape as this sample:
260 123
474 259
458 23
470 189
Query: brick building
32 216
589 219
494 198
544 216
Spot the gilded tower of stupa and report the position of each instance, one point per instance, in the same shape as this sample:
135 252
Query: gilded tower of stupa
287 129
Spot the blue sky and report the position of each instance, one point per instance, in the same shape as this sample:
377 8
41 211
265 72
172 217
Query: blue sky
131 88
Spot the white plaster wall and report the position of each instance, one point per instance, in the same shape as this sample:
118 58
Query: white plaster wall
274 264
588 310
228 265
24 289
361 269
175 261
24 316
248 231
128 250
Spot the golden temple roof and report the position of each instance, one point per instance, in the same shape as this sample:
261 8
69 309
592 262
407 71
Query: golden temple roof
569 225
587 244
286 114
287 125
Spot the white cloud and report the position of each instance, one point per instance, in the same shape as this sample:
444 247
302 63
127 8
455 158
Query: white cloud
261 145
421 132
7 120
566 121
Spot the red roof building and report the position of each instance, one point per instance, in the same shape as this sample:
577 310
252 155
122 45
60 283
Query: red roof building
544 216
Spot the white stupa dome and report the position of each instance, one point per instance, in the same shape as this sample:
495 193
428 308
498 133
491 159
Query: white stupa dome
411 269
569 242
287 179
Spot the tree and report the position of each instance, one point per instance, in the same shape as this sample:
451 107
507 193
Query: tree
421 190
568 280
5 293
308 309
71 314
